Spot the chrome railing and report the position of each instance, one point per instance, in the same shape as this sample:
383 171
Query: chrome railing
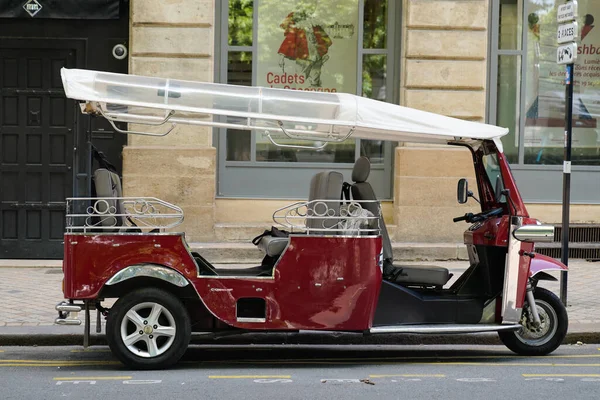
333 217
120 214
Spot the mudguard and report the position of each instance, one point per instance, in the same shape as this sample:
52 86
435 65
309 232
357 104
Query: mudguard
541 263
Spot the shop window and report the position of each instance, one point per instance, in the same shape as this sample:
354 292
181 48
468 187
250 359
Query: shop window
528 96
324 45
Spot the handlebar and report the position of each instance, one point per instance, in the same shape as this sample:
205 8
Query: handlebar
463 218
470 217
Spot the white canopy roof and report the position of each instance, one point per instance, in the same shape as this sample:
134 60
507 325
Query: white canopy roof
306 114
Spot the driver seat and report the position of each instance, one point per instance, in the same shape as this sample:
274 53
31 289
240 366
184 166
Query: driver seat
408 275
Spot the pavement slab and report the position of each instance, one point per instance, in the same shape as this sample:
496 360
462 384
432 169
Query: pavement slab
29 295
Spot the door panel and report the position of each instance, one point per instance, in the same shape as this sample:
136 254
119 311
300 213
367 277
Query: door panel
37 125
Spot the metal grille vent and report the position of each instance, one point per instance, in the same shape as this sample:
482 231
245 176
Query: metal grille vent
579 234
585 253
584 242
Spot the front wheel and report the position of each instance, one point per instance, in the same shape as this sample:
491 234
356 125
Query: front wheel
148 329
544 339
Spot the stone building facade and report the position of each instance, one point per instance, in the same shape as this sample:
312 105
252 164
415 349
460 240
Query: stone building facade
444 69
445 60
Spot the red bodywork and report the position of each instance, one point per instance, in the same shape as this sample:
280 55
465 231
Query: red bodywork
319 283
327 283
495 232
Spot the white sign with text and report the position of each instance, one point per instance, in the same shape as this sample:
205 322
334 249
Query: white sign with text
567 12
567 32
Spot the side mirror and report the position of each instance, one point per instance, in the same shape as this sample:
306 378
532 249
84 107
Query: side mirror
462 192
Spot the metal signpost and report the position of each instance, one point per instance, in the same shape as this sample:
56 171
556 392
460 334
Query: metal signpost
567 54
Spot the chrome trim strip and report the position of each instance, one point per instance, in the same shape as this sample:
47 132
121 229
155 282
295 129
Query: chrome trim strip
151 271
246 277
245 319
510 313
446 328
182 234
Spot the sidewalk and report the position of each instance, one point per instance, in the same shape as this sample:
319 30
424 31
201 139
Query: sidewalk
30 293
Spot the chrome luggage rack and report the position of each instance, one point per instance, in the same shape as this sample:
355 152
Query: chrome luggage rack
121 214
275 129
331 217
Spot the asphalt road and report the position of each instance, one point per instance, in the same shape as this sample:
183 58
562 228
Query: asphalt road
305 372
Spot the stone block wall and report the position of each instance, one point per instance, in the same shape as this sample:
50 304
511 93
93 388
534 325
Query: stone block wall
174 39
444 70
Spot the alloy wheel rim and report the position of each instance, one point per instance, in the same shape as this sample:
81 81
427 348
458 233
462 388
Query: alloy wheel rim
148 329
538 336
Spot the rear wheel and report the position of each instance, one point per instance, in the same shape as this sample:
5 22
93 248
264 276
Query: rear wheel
533 340
148 329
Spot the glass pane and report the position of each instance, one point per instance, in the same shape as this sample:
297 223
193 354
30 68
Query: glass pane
545 94
307 45
373 150
239 68
509 94
492 170
332 153
239 72
374 76
510 24
240 22
374 87
238 145
375 24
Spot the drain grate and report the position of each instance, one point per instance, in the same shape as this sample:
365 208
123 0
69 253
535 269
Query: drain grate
556 252
579 233
584 242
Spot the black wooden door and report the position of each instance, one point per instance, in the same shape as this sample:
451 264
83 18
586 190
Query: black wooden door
37 125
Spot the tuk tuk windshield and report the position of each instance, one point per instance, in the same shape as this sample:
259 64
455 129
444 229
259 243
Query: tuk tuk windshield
492 170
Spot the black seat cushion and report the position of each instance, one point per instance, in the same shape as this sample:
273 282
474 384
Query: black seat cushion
425 275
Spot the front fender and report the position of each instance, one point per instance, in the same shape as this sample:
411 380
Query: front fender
544 263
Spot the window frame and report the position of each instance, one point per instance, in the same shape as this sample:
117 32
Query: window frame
537 183
385 169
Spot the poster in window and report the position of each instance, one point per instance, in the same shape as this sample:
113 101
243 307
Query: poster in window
308 45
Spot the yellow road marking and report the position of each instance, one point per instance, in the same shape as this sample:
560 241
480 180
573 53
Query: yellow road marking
93 378
56 361
405 359
409 376
441 364
34 363
53 365
2 351
559 375
249 376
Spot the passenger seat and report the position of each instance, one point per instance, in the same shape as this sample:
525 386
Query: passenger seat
326 185
107 185
409 275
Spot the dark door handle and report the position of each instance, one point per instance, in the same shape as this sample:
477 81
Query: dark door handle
489 236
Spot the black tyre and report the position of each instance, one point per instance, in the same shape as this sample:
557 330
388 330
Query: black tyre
148 329
542 340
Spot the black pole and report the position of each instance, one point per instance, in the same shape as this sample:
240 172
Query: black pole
567 181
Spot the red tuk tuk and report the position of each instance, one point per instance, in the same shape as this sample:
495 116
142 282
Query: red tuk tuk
332 269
